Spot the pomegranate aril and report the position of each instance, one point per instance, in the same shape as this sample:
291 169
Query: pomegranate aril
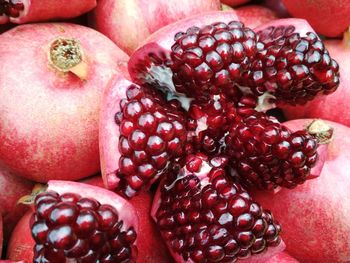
79 229
11 8
152 134
207 228
265 154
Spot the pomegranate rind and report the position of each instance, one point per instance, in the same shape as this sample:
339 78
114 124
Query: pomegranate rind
126 211
253 16
109 130
38 10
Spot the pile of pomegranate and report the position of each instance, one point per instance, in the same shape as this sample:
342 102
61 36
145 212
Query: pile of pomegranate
174 131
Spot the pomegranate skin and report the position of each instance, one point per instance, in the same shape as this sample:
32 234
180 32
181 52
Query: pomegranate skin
253 16
38 10
12 188
112 18
329 18
50 131
334 107
324 237
282 257
234 2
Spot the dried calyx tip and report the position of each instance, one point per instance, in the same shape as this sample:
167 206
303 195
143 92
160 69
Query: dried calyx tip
29 199
66 55
321 131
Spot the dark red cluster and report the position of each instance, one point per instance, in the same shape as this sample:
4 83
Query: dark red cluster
152 132
205 217
79 229
11 8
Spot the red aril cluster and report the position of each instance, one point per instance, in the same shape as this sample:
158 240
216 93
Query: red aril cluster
205 217
10 8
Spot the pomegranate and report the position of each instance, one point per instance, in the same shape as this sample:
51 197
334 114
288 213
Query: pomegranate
57 138
335 106
148 236
314 215
94 225
284 62
334 14
12 188
202 215
253 16
24 11
234 2
277 6
282 257
116 20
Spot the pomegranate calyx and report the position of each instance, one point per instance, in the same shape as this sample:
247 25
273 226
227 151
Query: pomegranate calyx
66 55
321 131
29 199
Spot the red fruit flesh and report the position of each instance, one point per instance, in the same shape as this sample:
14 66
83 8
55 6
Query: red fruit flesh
335 14
284 61
266 154
205 217
114 18
315 215
94 225
294 65
23 11
12 188
139 135
334 107
253 16
50 131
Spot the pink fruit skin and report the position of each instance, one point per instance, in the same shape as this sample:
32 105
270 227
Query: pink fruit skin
282 258
38 10
49 129
129 22
314 216
329 18
334 107
254 15
234 2
12 188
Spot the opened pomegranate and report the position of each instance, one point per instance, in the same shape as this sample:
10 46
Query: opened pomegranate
284 62
334 107
314 215
95 225
23 11
140 134
204 216
12 188
116 20
50 130
329 18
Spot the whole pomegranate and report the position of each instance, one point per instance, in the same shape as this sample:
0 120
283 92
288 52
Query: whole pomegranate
52 80
92 226
329 18
253 16
314 215
335 106
129 22
23 11
12 188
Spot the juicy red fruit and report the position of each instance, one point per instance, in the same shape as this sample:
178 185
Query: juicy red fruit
11 8
205 217
151 134
69 226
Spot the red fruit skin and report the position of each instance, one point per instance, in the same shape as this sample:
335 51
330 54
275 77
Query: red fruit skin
38 10
12 188
50 130
334 107
253 16
315 215
282 257
151 248
278 7
129 22
329 18
234 2
21 243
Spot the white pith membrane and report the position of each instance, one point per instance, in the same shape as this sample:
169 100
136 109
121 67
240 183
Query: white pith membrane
5 18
